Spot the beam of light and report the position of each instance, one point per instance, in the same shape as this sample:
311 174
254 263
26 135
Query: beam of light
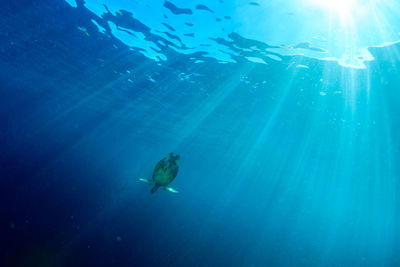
334 5
343 9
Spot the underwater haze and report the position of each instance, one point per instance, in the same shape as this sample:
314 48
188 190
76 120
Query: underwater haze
285 115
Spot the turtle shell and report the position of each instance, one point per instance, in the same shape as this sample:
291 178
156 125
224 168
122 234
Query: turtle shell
165 171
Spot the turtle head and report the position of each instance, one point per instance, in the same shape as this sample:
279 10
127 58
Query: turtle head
173 159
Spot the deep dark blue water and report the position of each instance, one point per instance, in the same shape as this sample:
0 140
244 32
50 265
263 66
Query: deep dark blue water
290 163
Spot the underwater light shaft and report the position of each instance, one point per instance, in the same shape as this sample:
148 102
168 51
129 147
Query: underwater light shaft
334 5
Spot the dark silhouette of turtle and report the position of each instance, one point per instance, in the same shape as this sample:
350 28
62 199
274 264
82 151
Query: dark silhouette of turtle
164 173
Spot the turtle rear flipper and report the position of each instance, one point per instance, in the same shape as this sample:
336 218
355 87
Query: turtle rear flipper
154 189
150 182
169 189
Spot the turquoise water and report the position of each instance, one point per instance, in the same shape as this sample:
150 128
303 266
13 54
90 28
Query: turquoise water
287 128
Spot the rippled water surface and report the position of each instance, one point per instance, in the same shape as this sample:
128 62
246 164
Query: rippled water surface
285 115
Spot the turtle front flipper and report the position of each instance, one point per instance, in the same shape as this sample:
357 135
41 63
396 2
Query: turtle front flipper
169 189
147 181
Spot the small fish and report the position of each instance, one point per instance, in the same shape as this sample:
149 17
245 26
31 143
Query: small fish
83 29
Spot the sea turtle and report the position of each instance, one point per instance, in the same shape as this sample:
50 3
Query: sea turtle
164 173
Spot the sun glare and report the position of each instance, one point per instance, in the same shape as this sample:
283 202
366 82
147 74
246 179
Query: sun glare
341 8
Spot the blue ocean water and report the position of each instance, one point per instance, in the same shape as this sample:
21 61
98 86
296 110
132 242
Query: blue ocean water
288 133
